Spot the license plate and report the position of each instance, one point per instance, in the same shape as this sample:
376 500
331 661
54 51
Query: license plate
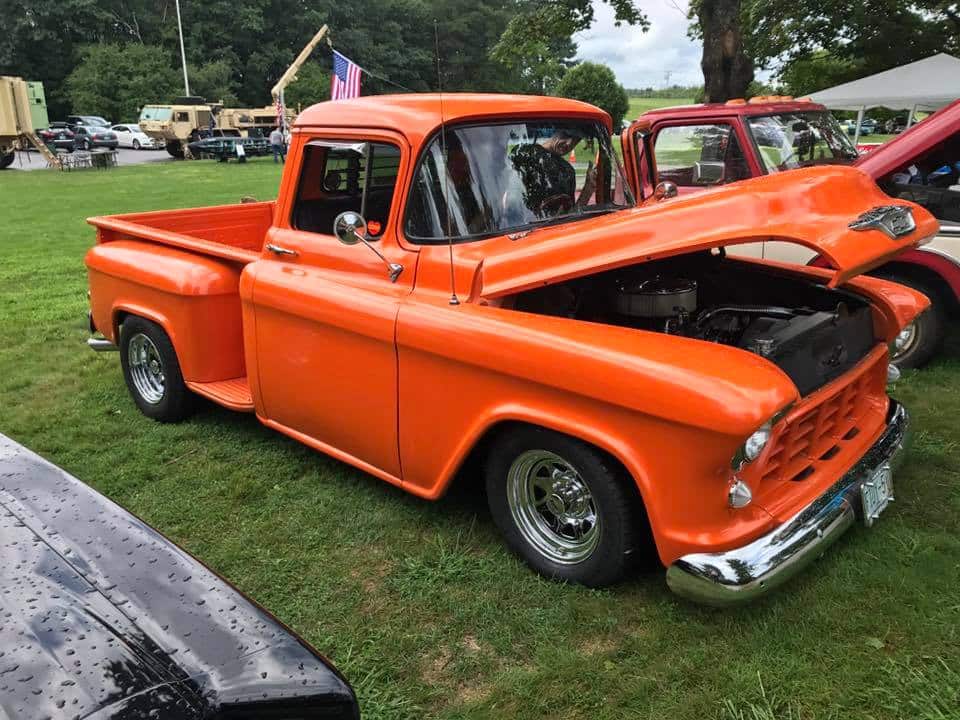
877 493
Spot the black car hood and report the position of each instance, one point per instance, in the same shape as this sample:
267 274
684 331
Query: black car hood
102 617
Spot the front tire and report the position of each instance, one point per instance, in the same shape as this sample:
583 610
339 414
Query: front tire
136 144
920 341
175 149
564 507
152 371
7 160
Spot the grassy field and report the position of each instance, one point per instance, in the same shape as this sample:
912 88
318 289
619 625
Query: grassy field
638 106
418 603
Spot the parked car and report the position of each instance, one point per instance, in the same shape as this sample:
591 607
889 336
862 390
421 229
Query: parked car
867 127
92 136
623 384
129 135
105 617
88 120
61 138
781 134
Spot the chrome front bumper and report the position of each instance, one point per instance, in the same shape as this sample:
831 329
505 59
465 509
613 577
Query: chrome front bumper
745 573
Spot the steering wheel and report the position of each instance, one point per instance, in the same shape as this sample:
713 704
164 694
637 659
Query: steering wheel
556 204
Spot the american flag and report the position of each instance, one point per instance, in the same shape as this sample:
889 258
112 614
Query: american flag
345 81
281 120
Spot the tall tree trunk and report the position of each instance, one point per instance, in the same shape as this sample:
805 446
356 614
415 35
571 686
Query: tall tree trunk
727 71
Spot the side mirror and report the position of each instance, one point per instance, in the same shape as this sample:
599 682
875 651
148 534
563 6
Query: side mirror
665 190
707 172
350 227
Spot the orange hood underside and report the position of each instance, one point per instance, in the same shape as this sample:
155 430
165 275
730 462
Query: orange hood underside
811 207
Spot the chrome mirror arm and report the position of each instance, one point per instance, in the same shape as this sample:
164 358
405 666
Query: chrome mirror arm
394 268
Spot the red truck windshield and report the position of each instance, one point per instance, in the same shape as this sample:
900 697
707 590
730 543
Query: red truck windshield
505 177
790 140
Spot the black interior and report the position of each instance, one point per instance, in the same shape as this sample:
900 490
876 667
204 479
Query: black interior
318 215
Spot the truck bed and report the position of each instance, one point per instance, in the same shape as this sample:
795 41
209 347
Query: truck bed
232 232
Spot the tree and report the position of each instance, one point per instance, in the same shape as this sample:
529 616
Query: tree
596 84
115 80
816 71
537 43
215 82
844 40
312 85
727 68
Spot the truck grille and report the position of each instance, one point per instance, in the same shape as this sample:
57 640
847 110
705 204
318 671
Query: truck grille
817 429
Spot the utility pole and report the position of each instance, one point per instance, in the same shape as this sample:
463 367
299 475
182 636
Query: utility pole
183 53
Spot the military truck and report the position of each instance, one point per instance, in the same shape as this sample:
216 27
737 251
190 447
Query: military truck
190 119
252 122
177 125
20 103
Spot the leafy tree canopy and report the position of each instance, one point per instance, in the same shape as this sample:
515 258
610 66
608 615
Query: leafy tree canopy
112 80
596 84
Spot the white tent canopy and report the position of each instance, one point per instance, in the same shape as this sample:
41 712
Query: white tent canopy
926 84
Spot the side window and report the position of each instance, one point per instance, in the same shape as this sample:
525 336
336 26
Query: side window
341 176
182 117
699 155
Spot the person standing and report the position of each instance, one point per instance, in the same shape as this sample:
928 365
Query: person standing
278 146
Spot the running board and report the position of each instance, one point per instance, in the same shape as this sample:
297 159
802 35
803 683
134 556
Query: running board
234 393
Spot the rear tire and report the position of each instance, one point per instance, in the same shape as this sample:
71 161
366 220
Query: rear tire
924 337
564 507
7 160
152 371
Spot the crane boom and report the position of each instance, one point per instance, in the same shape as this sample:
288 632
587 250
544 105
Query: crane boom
291 71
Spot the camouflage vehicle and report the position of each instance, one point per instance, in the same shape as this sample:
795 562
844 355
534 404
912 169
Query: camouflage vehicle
252 122
15 120
22 110
188 119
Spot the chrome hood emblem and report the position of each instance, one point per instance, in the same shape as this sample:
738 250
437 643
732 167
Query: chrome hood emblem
893 220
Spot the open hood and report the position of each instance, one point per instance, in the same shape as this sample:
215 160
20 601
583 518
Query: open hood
836 211
912 143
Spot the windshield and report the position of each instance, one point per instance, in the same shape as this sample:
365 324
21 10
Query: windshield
791 140
156 113
502 178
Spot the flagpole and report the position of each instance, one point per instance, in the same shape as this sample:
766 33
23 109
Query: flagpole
183 53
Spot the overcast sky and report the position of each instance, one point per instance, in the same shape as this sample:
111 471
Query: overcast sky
641 59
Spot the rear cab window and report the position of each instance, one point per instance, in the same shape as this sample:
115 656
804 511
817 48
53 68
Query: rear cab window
337 176
699 155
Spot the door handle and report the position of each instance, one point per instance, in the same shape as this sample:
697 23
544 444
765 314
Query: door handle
277 250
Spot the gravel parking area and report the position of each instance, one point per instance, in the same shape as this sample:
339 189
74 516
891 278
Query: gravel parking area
31 160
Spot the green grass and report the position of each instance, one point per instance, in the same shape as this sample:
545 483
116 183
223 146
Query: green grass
417 602
638 105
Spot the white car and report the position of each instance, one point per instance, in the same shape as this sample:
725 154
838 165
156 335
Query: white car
131 136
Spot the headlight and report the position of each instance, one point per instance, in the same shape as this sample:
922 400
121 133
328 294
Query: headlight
754 445
757 442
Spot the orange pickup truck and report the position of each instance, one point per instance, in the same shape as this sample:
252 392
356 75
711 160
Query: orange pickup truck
437 288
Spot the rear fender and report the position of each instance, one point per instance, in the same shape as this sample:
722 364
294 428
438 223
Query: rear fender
194 299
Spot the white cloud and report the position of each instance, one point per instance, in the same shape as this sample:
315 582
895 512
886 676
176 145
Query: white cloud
643 59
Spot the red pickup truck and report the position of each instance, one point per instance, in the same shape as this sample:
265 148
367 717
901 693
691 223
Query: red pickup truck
696 147
437 289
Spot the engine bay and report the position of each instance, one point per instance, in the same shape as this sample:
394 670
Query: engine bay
813 333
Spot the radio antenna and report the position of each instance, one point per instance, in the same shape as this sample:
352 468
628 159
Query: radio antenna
443 146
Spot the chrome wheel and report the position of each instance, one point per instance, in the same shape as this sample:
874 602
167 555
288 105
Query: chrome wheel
146 368
553 507
905 341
